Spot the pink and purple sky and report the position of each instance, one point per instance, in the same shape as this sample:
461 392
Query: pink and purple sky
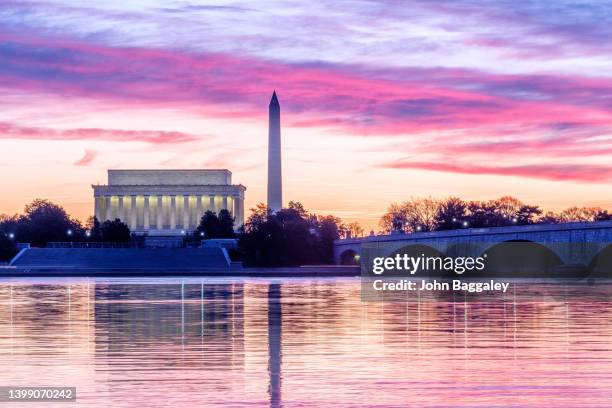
381 100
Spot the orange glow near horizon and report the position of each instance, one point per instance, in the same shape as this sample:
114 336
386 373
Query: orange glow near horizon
331 173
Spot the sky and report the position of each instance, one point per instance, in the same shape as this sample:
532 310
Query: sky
381 100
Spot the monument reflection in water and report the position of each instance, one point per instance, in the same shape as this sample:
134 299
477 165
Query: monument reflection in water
183 343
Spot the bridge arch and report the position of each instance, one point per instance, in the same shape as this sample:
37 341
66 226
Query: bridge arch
420 250
349 257
601 264
520 258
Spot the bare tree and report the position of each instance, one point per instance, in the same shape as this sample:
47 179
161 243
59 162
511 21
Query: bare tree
395 213
420 214
416 214
576 214
507 206
354 229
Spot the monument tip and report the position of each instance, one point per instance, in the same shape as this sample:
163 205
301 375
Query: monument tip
274 98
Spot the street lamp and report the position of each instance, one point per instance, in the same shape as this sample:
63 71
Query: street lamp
465 223
11 236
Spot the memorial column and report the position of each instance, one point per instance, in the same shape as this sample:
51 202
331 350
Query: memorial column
133 213
198 209
98 207
120 208
211 201
107 208
186 225
146 213
160 213
173 212
239 215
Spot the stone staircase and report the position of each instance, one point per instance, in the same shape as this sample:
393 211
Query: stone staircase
123 258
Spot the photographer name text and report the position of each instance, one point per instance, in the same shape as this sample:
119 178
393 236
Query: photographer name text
440 286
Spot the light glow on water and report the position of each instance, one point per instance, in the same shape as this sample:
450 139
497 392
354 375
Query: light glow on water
286 342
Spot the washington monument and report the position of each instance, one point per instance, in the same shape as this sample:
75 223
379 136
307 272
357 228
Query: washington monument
275 183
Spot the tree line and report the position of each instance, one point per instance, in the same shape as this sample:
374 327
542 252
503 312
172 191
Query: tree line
43 221
289 237
429 214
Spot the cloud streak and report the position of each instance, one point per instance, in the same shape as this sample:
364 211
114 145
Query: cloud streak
10 130
87 158
554 172
387 101
431 110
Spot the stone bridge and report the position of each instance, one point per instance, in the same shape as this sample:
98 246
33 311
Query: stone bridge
573 243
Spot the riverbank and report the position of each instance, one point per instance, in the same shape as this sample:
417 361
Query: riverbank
304 272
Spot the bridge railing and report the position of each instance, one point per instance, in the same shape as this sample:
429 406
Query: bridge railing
95 245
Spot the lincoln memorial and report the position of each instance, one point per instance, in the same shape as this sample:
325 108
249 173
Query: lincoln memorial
167 202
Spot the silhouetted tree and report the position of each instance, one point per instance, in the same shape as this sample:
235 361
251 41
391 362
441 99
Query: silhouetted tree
421 214
259 215
455 213
297 237
579 214
508 208
576 214
261 240
394 219
549 218
527 214
352 230
8 223
484 214
8 249
209 223
328 230
93 226
213 226
451 214
289 237
226 225
416 214
114 231
44 222
501 212
298 209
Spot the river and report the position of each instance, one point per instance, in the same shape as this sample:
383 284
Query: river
302 342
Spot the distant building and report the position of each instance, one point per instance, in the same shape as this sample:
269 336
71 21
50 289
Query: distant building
167 202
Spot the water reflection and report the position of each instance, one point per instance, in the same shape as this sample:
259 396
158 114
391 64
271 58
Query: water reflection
132 343
275 323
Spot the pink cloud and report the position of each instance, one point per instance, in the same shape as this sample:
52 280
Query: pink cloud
13 131
561 141
383 101
555 172
87 158
542 115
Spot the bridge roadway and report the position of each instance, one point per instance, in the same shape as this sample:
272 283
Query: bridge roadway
573 243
